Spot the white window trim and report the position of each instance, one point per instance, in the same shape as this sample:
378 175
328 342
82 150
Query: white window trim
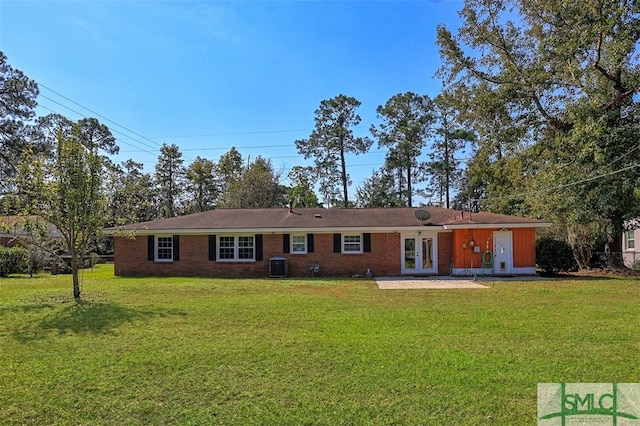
236 248
626 240
361 236
157 248
291 245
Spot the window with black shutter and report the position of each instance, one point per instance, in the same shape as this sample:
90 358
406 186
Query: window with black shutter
366 243
337 243
309 243
151 249
212 247
285 243
258 246
176 247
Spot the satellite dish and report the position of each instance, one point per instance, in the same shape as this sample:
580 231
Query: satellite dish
422 214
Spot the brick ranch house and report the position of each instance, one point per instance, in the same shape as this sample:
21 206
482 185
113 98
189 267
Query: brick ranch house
306 241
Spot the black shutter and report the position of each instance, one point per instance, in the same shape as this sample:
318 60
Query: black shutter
151 250
258 246
286 238
309 243
337 243
212 247
366 242
176 247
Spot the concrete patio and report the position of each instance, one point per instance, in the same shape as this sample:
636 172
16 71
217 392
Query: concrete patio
445 282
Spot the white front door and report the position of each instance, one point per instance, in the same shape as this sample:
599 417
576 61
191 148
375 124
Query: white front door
419 254
503 253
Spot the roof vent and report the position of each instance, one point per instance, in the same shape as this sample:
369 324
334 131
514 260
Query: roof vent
317 216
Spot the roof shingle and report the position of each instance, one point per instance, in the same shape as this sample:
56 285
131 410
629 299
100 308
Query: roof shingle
323 219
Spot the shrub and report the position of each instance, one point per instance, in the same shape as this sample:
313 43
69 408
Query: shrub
13 260
554 255
37 261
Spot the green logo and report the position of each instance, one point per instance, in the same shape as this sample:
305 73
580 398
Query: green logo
588 403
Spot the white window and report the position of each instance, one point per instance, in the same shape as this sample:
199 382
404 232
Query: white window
236 247
630 239
164 249
298 244
227 248
245 248
352 243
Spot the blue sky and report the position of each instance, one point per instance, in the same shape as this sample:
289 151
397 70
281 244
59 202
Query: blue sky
209 75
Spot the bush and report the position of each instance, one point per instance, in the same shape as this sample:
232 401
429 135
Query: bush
554 255
37 261
13 260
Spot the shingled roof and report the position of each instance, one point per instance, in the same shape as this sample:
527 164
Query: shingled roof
15 225
323 220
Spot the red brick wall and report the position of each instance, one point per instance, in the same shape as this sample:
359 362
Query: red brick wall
384 258
445 252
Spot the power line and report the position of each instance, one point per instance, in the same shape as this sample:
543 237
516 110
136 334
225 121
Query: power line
563 186
155 146
256 132
237 147
100 115
114 131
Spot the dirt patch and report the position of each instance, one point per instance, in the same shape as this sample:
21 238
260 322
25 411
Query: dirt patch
393 283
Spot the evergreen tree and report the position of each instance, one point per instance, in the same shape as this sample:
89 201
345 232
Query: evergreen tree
257 187
330 142
18 96
201 185
407 121
301 193
169 180
444 168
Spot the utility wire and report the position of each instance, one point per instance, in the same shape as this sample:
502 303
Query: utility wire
256 132
155 144
100 115
566 185
138 149
293 131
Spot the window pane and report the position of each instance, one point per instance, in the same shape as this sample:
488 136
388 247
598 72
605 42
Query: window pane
299 243
631 243
427 253
245 247
410 253
165 248
352 243
245 241
226 248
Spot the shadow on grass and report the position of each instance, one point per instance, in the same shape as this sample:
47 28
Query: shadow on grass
24 308
87 317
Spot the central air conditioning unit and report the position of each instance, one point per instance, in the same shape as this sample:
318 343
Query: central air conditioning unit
278 267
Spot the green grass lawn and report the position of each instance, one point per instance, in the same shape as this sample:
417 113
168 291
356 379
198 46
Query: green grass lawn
302 351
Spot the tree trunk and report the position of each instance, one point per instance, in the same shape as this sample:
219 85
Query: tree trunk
74 273
343 163
582 255
409 189
613 245
447 169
